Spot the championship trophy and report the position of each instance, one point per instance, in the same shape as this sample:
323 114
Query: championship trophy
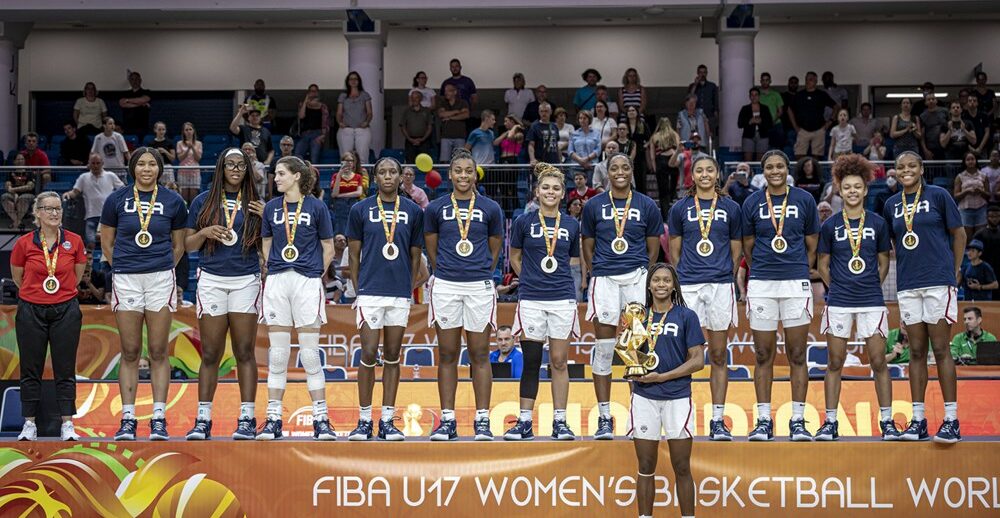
634 347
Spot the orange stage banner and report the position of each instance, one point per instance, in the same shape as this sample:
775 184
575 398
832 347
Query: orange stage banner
466 479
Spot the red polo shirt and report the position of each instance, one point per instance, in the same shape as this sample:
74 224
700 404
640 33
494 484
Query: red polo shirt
27 254
36 159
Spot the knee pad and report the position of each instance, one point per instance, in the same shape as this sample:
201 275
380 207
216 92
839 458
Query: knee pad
604 350
309 356
277 364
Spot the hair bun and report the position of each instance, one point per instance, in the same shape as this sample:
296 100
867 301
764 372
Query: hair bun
544 167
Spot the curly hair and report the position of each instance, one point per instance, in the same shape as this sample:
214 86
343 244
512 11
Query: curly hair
853 165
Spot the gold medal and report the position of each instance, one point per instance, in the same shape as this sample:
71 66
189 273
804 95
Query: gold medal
549 263
143 238
910 238
464 247
50 285
855 264
778 244
619 245
290 253
231 237
705 247
390 251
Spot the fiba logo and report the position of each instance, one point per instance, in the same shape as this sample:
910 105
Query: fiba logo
666 329
791 212
923 206
401 217
144 205
304 219
840 234
607 214
720 215
448 214
301 417
536 232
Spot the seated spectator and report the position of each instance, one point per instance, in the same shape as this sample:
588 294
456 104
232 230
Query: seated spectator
135 108
585 144
990 237
692 119
972 192
416 193
964 345
189 152
602 96
507 352
314 125
511 141
35 157
264 103
286 147
89 111
346 188
253 132
575 210
865 126
875 150
257 169
144 368
600 179
354 114
531 111
755 121
892 187
807 115
427 95
111 146
91 288
586 96
160 143
582 190
19 192
518 98
480 140
978 278
738 184
897 346
825 210
416 125
808 177
75 148
957 136
841 136
507 289
337 280
95 186
452 112
565 131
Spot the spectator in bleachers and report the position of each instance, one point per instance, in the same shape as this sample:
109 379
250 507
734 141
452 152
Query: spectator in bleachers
263 103
664 143
776 105
807 115
480 140
581 190
990 238
507 288
865 126
189 152
691 119
892 187
531 111
707 94
89 111
586 96
604 123
575 210
91 288
286 146
755 121
625 144
992 172
585 144
978 277
600 179
314 125
980 121
111 146
465 86
453 112
926 89
135 107
957 137
511 140
160 142
964 345
831 195
933 120
416 193
836 92
345 190
565 132
427 95
518 97
986 96
875 150
788 98
543 138
632 93
738 184
897 346
602 96
972 192
808 176
35 157
416 125
253 131
354 114
683 160
825 210
95 186
758 181
963 98
75 148
842 136
507 352
258 169
905 129
19 192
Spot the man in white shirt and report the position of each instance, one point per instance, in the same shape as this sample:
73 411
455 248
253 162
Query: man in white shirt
518 98
95 186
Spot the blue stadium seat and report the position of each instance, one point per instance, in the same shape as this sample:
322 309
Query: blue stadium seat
11 420
729 357
463 357
393 153
944 182
329 156
132 141
817 372
543 372
896 372
148 139
334 373
56 141
217 140
423 356
545 355
739 372
817 354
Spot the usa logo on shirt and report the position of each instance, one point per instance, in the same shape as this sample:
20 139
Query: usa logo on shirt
279 218
130 206
401 216
720 215
923 206
669 328
840 233
791 212
448 214
536 232
607 213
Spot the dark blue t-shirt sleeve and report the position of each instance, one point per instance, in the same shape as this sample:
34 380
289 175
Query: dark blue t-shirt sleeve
654 220
825 245
812 219
675 223
325 228
179 220
516 233
574 243
748 223
109 213
949 211
887 216
496 220
431 219
884 238
417 228
192 219
355 224
265 224
736 225
587 219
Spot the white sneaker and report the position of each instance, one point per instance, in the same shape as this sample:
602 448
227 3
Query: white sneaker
29 432
67 432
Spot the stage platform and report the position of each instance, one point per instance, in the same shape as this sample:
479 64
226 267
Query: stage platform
417 478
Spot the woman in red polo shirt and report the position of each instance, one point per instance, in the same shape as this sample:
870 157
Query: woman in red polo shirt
46 265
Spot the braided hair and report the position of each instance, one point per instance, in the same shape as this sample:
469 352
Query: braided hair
676 298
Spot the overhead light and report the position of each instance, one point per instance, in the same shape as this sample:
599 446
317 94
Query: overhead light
908 95
654 10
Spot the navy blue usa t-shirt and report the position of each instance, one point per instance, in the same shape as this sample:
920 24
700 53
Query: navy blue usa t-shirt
727 225
225 261
314 226
802 220
526 234
848 289
377 275
931 263
487 221
169 214
681 331
597 221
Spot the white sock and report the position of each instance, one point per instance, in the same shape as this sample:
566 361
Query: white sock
388 413
274 409
482 413
247 409
831 415
918 411
885 413
951 411
604 408
717 412
525 415
764 411
559 415
798 410
205 410
365 413
159 410
645 516
128 411
320 412
447 415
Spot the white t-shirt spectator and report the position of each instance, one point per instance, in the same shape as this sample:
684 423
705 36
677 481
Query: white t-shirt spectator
843 138
517 101
112 148
427 101
96 189
565 134
90 111
993 175
607 128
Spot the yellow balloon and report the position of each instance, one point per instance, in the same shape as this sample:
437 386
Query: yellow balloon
424 162
479 170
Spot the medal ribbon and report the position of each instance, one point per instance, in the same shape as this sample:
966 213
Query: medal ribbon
463 229
550 243
390 232
778 227
231 216
290 228
855 244
649 326
620 221
909 213
50 264
144 219
706 226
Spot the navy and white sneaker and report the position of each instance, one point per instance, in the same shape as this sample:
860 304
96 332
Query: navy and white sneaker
271 431
322 431
522 431
126 432
202 431
158 430
889 431
446 431
561 431
387 431
482 428
763 431
246 428
605 428
949 433
363 432
830 431
917 431
797 431
718 431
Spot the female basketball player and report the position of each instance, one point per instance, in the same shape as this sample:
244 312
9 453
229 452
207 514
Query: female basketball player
388 231
541 245
621 229
224 228
298 244
142 235
706 227
463 233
